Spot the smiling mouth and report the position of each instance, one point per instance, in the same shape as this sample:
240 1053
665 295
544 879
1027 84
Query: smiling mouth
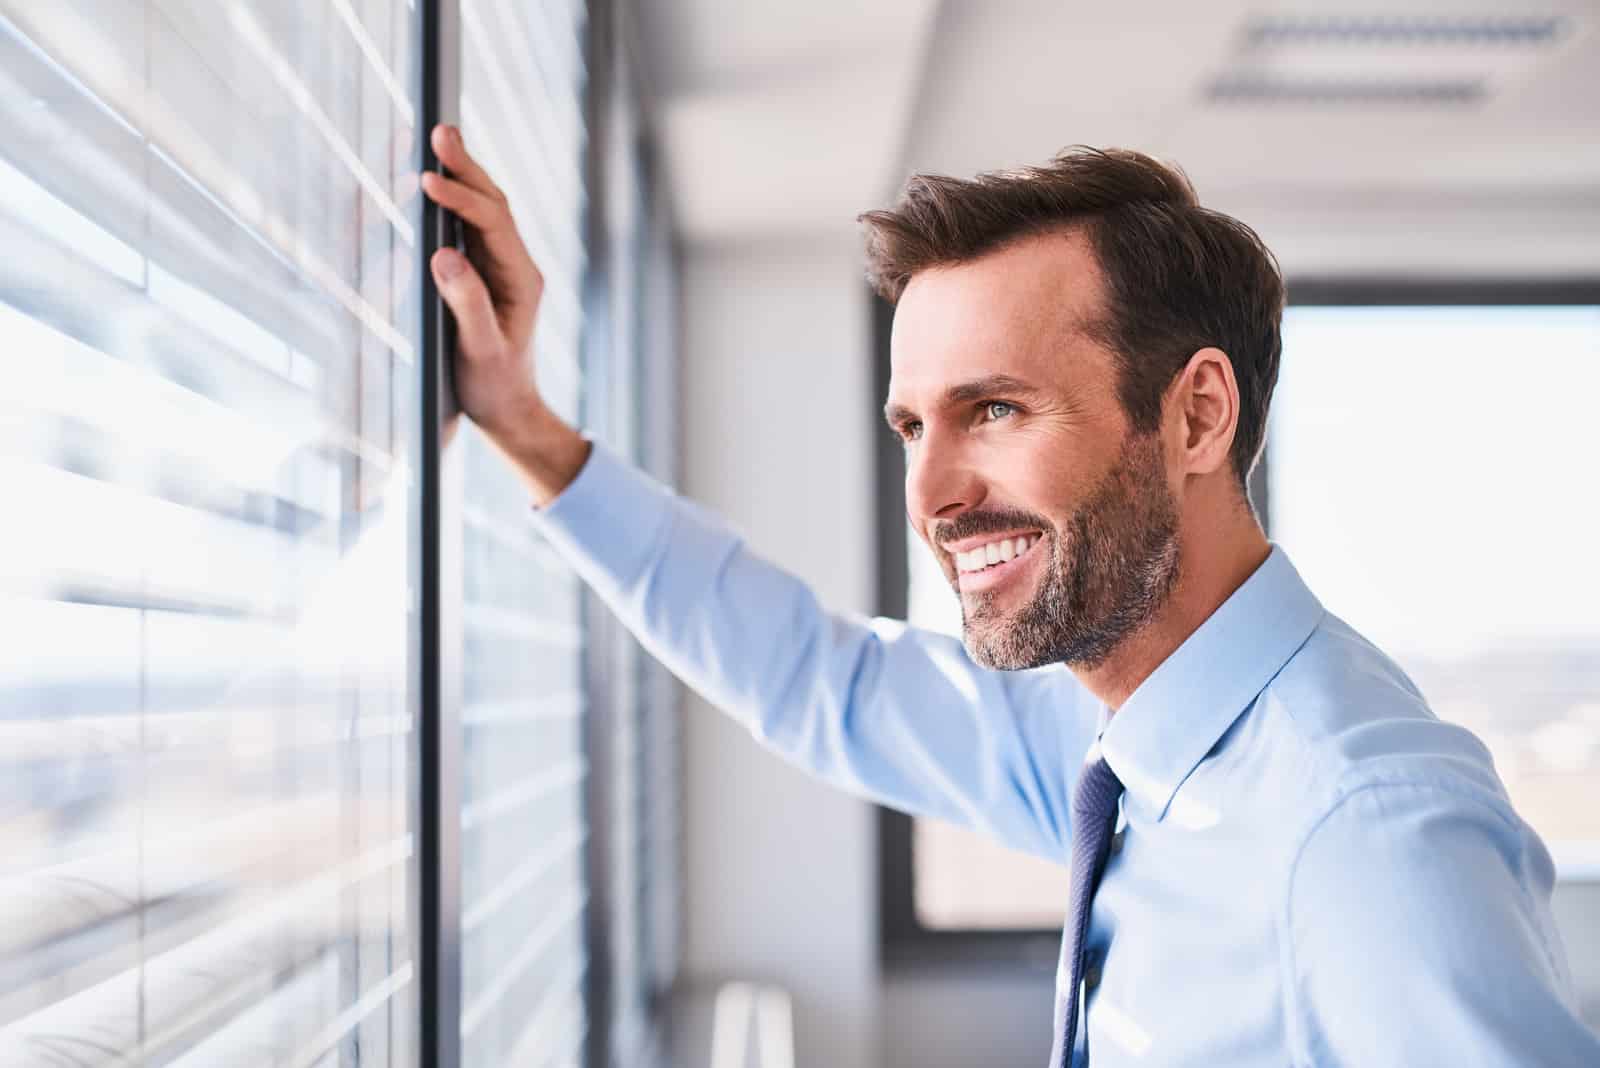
995 554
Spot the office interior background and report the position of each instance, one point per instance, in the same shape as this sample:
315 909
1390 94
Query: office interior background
314 754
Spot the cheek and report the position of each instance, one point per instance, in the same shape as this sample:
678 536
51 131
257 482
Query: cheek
1051 468
1040 481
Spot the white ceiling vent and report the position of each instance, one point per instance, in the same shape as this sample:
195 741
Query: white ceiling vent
1420 60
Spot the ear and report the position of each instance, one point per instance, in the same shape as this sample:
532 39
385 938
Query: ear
1202 413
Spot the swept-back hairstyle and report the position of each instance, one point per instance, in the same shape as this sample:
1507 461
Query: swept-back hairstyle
1178 277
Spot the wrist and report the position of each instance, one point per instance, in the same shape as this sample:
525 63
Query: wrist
546 451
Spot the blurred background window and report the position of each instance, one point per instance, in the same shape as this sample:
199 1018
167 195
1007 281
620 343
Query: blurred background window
208 574
1429 471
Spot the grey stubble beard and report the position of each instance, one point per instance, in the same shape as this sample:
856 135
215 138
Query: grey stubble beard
1106 579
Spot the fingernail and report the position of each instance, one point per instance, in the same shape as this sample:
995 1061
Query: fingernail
455 134
450 263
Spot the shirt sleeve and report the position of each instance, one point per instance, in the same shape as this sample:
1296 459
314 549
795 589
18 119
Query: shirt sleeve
1418 931
892 713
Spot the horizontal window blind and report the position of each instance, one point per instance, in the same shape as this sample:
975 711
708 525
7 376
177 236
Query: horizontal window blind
208 558
523 825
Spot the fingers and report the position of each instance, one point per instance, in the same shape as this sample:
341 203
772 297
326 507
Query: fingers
482 211
468 298
452 152
471 195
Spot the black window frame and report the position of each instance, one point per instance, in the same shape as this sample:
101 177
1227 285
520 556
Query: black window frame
904 941
439 838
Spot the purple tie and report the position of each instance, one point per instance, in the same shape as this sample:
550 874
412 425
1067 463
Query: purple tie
1094 815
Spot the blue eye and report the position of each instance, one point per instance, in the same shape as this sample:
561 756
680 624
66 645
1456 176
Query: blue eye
1006 409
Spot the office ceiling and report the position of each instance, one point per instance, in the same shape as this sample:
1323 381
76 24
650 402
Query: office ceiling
1432 138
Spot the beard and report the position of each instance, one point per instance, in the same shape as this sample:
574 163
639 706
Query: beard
1110 570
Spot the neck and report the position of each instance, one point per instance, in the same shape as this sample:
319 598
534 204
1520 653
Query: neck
1214 563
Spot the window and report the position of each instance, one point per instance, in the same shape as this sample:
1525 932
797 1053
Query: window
296 707
207 576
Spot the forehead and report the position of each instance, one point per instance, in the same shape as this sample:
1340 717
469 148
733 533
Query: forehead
1022 310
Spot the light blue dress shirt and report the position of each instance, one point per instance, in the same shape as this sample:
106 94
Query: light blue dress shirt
1311 869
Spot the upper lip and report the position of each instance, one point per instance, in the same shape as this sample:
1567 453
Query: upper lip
968 544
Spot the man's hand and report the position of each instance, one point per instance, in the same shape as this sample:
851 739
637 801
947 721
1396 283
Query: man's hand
494 292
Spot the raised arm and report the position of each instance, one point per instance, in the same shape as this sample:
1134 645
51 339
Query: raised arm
895 714
890 712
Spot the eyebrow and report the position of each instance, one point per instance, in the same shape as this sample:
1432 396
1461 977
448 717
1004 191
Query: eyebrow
966 392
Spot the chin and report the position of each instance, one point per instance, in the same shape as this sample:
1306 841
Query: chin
989 648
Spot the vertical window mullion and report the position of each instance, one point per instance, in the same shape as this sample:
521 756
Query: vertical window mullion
441 495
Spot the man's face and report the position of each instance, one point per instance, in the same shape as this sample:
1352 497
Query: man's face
1014 431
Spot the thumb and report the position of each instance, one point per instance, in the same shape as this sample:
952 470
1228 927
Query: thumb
463 290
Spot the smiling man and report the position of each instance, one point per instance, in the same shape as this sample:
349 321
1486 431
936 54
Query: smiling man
1278 854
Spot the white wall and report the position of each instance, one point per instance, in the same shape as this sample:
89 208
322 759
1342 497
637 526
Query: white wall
781 876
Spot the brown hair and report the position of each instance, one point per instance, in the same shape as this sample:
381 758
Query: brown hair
1178 277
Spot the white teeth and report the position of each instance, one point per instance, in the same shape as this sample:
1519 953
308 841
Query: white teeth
993 553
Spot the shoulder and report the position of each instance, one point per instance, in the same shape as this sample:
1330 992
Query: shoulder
1389 789
1402 866
1350 720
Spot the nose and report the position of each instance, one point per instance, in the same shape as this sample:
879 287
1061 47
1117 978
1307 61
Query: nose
941 482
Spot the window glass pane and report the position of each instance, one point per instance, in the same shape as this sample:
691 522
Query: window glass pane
1432 476
207 444
523 836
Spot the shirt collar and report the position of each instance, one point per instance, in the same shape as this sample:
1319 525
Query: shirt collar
1177 715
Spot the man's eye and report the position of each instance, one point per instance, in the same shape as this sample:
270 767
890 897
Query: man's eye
998 409
910 431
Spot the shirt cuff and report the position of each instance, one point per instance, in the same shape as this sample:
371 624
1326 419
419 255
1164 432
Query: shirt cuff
608 521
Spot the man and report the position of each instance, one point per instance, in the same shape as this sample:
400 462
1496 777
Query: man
1310 868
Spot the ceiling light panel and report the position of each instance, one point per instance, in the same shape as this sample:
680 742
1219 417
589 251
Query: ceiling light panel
1426 60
